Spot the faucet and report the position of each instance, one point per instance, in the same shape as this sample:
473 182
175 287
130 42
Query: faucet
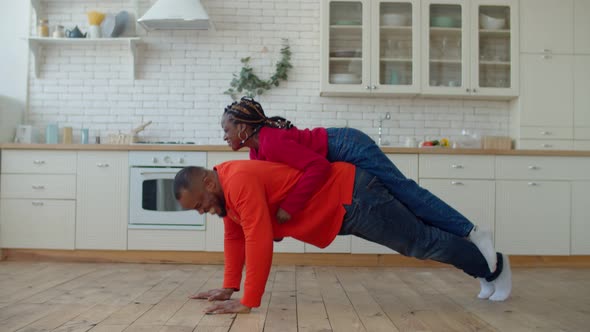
387 117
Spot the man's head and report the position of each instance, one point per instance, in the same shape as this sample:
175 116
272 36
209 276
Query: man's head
197 188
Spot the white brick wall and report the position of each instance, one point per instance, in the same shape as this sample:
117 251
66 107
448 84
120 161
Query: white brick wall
181 76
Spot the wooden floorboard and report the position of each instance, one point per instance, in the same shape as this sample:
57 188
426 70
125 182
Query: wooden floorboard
112 297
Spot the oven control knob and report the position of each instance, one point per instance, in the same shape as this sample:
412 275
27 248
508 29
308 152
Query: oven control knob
167 160
155 160
181 160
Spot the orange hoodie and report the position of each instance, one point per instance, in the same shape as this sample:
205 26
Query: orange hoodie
253 191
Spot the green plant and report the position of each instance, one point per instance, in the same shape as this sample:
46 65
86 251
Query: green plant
249 84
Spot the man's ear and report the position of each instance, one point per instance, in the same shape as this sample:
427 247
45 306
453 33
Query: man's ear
209 183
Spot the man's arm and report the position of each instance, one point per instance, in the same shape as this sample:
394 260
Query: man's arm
256 223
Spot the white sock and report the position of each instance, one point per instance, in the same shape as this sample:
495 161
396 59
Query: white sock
503 284
483 241
487 288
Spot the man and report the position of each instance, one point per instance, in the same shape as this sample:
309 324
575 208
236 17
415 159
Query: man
247 194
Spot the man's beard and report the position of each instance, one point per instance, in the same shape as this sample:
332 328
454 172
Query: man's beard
223 211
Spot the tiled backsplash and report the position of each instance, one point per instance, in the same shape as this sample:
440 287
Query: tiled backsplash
181 76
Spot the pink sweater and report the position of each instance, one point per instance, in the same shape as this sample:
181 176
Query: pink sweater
302 149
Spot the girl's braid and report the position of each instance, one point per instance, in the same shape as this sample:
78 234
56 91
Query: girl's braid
250 112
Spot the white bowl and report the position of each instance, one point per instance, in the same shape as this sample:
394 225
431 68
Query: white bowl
394 19
345 78
492 23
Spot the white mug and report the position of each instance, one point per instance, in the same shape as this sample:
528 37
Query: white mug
94 31
411 142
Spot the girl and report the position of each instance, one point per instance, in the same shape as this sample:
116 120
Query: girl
311 150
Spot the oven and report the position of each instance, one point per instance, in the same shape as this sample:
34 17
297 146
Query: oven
151 190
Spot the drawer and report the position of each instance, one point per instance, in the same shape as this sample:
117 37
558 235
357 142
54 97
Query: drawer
546 133
582 145
542 168
454 166
38 224
38 186
537 144
38 161
582 133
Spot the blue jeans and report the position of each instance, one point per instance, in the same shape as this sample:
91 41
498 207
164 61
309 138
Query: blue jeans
355 147
376 215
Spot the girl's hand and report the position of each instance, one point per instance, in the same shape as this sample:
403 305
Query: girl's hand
215 294
283 216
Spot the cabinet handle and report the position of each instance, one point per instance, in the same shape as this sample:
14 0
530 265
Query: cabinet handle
457 183
546 50
102 165
456 166
36 203
546 145
546 133
368 87
533 167
467 90
38 162
474 90
533 184
374 87
546 56
38 187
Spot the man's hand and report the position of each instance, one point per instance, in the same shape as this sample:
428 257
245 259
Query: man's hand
227 307
215 294
283 216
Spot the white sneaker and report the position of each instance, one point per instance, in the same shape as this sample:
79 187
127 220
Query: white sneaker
483 241
503 284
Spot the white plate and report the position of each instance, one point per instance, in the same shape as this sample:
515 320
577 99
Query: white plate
108 25
345 78
120 23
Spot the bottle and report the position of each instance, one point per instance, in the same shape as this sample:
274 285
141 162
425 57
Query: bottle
84 136
67 135
43 28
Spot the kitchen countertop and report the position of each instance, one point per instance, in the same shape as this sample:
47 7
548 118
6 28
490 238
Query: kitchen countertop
224 148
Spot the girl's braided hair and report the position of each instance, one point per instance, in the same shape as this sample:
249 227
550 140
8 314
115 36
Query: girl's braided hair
250 112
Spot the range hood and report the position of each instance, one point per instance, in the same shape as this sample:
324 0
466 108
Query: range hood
176 15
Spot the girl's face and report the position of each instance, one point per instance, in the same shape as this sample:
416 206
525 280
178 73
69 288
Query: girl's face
233 132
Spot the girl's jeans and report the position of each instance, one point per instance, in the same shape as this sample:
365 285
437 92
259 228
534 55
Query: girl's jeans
355 147
376 215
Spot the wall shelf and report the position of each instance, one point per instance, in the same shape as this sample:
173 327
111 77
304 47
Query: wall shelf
36 45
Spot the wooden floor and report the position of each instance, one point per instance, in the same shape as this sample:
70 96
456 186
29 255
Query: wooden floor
43 296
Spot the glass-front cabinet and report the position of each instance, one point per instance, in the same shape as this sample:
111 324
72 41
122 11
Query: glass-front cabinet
470 47
370 47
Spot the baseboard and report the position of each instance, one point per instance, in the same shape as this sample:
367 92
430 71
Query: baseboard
314 259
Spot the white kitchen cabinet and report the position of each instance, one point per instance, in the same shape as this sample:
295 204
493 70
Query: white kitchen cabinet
533 217
581 27
581 96
369 47
463 54
465 183
580 218
547 88
546 26
37 206
408 165
37 223
102 200
533 203
475 199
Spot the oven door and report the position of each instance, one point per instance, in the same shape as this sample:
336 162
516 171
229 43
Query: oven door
152 203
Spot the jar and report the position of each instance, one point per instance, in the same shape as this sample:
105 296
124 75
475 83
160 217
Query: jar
43 28
59 32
